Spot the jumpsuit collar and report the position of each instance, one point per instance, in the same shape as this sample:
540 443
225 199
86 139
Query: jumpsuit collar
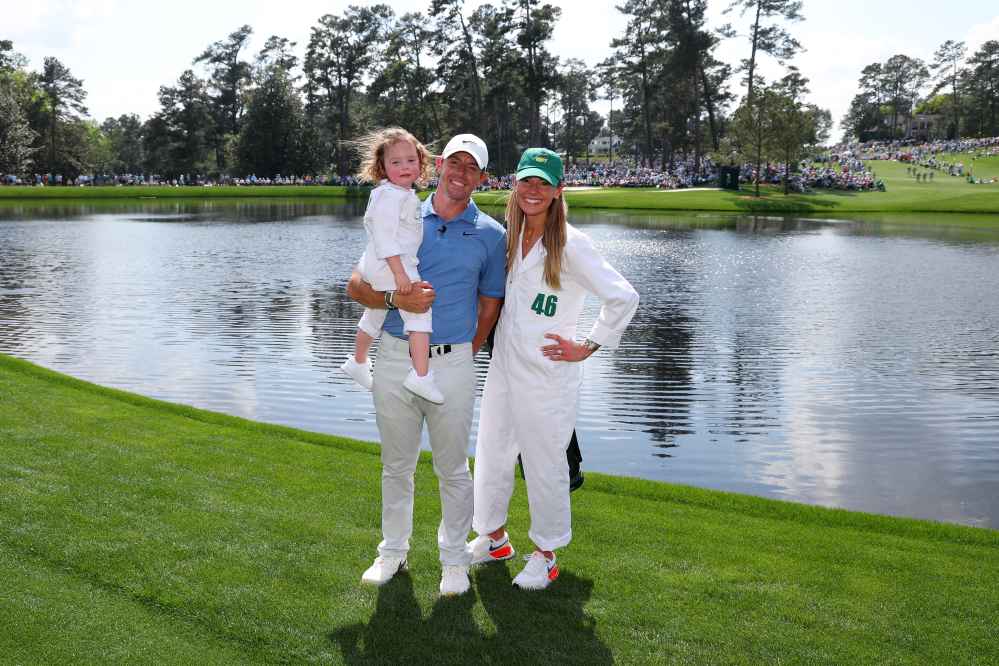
536 254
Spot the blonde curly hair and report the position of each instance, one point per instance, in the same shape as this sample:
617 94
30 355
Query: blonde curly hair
372 146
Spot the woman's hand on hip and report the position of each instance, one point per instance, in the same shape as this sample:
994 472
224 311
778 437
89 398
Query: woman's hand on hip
564 349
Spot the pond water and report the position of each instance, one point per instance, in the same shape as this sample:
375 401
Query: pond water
852 364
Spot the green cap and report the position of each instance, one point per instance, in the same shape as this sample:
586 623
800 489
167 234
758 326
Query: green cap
542 163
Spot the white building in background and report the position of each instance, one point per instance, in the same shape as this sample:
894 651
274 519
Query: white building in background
602 144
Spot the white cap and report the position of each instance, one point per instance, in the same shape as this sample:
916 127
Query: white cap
468 143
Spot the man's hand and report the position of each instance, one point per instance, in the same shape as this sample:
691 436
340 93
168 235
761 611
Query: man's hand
489 310
418 300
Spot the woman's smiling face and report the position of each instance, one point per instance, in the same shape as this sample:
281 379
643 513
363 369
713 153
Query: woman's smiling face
535 195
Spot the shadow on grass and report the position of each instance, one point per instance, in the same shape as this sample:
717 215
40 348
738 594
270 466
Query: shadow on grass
778 202
530 627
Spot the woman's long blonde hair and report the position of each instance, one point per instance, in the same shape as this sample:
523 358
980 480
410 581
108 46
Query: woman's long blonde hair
553 238
372 146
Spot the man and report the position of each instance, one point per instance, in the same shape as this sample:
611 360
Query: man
463 265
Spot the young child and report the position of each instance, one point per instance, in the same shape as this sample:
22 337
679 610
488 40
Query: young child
395 160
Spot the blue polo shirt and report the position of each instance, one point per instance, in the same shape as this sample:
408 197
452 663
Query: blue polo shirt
463 259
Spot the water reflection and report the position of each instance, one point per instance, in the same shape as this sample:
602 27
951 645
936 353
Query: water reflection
846 363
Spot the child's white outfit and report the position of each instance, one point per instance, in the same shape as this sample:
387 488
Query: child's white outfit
394 225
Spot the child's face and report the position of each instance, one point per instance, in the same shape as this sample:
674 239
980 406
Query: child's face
402 163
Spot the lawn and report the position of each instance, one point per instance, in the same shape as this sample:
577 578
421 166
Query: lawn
903 194
133 530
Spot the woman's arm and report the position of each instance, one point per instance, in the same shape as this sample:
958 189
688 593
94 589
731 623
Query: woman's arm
619 300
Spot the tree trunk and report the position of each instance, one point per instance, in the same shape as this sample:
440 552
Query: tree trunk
709 104
476 86
752 54
646 110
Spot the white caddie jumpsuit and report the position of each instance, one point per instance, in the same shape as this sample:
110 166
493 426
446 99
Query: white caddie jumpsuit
395 227
529 401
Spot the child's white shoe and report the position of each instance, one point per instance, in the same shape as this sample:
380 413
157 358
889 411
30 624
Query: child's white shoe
359 372
424 386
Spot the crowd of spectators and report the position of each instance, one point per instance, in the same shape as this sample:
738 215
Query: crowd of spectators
196 180
945 156
841 168
682 173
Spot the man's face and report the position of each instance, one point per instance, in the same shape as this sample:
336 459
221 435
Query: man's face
459 176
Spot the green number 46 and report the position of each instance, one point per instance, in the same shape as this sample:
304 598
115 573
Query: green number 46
545 306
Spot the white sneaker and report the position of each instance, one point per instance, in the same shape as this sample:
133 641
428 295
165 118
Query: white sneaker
538 574
424 386
483 549
383 569
454 580
359 372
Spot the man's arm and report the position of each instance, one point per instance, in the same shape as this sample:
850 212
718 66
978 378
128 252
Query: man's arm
418 300
489 309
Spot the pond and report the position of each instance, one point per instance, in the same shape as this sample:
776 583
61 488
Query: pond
851 364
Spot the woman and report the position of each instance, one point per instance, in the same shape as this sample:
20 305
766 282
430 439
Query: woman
532 389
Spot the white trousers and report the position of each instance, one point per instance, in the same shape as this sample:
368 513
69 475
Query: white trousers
400 416
530 414
373 320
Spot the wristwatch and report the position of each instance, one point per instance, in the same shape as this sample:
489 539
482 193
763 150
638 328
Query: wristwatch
390 300
591 345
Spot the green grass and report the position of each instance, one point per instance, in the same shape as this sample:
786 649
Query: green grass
982 167
904 195
133 530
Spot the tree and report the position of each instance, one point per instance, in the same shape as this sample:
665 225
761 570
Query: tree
752 129
125 136
504 121
793 125
947 72
180 140
16 135
765 36
99 154
10 59
695 44
228 78
270 138
58 106
981 88
638 55
865 118
458 71
399 93
277 52
340 51
575 92
902 79
888 91
533 24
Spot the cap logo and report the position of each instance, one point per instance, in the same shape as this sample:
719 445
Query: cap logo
541 158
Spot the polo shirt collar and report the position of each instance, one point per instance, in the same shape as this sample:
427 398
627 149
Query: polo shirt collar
469 215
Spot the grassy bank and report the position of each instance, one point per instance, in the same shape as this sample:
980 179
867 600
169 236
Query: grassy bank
904 194
134 530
